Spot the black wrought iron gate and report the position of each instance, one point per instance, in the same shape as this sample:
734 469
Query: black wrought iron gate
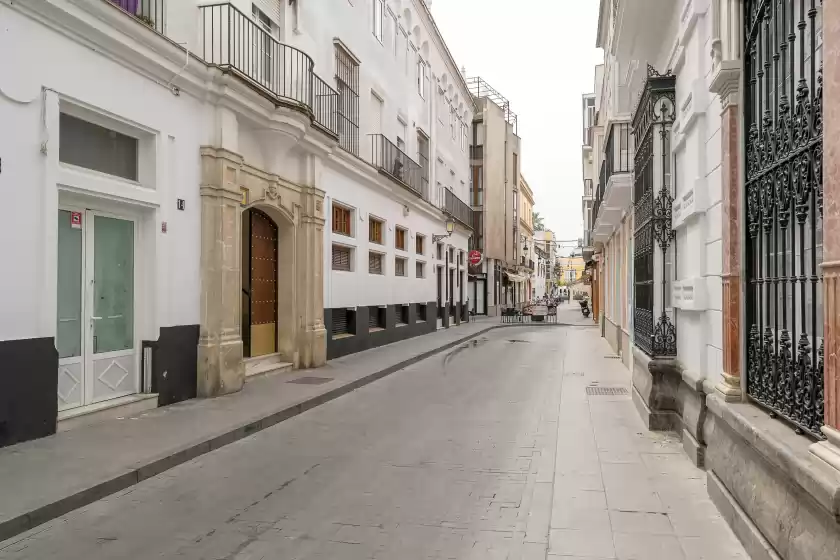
654 331
783 190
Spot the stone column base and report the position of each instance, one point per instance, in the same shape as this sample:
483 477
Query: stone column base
730 387
656 382
220 367
829 450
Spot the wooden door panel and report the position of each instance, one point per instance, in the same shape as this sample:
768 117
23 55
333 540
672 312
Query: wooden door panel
263 284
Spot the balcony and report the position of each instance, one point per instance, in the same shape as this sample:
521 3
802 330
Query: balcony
236 44
150 12
615 181
456 208
395 163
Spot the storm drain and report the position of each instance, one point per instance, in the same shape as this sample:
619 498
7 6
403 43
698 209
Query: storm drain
606 391
311 380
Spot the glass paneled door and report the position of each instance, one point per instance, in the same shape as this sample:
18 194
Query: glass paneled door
96 303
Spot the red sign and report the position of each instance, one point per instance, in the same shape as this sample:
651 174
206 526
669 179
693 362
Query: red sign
475 257
76 220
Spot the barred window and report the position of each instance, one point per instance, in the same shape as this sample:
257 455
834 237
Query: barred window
399 266
347 84
341 220
402 315
376 318
399 239
343 322
375 263
341 257
420 270
375 231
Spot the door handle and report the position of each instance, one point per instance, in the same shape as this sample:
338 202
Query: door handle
96 318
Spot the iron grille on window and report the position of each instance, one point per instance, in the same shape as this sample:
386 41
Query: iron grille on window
420 270
341 258
376 317
784 209
150 12
343 322
375 263
399 267
347 82
655 332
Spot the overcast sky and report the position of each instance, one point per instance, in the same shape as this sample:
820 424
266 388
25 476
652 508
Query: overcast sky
541 55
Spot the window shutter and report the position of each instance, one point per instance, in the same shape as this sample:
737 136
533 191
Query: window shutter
340 258
340 322
271 8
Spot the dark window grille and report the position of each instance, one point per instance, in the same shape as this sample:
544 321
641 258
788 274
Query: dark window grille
655 331
347 84
399 267
784 209
343 322
376 317
420 270
375 263
403 315
341 258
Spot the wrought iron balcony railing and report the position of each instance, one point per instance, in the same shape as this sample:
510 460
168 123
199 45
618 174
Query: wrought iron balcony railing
324 105
393 162
150 12
618 154
457 208
237 44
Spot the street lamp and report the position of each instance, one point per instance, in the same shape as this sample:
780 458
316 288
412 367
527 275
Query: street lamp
450 227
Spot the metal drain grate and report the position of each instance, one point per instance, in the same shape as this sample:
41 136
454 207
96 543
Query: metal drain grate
612 357
607 391
311 380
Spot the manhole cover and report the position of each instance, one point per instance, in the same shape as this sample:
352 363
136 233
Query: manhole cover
311 380
606 391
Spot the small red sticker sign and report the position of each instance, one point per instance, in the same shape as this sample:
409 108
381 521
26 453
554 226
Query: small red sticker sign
475 257
76 220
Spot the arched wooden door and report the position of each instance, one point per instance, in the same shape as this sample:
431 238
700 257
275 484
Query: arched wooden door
259 284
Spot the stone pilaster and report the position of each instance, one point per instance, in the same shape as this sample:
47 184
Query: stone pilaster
313 335
725 83
829 450
220 366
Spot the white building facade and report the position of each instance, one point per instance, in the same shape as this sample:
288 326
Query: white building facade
206 192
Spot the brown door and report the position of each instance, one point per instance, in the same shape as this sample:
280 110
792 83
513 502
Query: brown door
263 339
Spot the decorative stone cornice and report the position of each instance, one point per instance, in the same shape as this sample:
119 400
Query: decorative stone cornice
726 82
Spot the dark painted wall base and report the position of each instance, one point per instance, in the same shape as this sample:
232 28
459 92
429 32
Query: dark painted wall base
28 389
656 383
175 363
363 339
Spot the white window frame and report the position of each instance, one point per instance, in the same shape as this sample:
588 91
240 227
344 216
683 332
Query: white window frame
421 77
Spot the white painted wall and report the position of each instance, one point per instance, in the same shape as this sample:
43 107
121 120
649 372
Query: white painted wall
48 69
697 147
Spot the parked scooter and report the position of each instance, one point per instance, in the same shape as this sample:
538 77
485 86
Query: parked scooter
584 307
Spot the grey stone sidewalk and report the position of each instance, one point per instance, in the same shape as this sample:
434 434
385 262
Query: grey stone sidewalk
46 478
514 446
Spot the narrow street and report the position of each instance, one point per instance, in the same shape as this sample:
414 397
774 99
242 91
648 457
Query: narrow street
493 450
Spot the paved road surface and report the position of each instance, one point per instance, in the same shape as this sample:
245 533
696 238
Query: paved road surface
491 451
